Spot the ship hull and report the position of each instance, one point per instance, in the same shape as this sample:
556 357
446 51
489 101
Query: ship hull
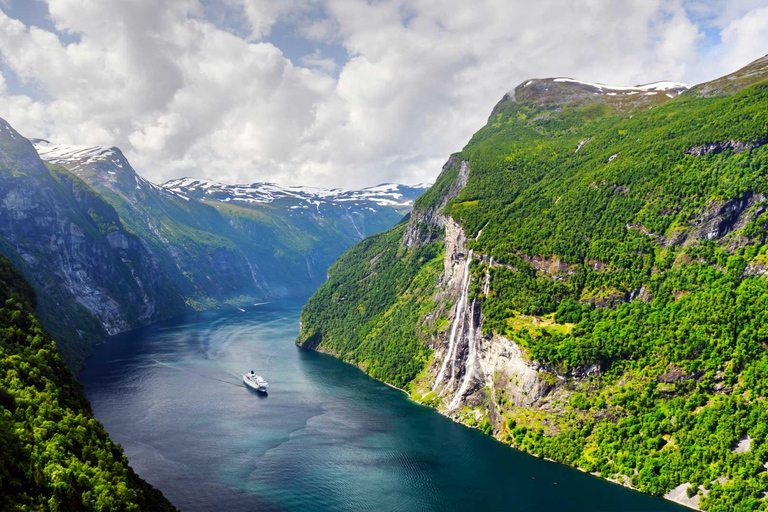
253 385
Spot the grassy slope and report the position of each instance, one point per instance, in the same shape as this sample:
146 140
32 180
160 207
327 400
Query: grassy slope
53 454
620 225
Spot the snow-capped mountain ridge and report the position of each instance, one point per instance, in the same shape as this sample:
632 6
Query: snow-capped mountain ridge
553 92
103 164
63 154
108 165
671 89
663 86
385 194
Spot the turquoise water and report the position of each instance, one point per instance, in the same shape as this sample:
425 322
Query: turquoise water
327 437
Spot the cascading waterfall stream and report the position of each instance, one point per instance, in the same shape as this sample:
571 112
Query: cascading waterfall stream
487 287
471 358
458 321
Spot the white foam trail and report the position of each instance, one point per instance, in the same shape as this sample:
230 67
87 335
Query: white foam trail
471 358
458 320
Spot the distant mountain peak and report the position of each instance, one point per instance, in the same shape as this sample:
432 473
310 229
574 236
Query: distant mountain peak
108 167
385 194
103 165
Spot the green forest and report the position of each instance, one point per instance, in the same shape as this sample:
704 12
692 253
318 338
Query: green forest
647 254
54 455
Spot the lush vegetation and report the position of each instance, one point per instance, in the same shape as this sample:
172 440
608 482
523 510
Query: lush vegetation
53 454
631 256
366 312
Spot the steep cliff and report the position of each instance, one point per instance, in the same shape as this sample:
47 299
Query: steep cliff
93 276
593 286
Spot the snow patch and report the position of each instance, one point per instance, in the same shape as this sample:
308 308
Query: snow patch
655 86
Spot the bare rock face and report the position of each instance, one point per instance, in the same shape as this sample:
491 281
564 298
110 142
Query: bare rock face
426 224
505 367
713 148
455 249
720 219
467 364
88 270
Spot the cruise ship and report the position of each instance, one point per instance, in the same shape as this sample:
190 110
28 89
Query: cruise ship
255 381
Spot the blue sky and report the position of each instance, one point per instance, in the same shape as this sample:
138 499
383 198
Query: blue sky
331 92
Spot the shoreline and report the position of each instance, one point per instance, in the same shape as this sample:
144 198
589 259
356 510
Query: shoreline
459 422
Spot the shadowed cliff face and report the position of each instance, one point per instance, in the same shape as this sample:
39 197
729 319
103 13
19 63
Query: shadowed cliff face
93 276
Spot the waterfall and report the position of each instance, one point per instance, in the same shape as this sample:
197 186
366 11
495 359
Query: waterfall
487 287
471 358
458 321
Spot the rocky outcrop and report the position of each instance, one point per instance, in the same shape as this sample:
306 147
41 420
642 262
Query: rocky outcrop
713 148
718 219
506 369
427 223
721 218
467 364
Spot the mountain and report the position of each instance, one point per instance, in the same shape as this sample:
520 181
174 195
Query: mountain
227 243
335 219
109 251
93 276
54 455
586 280
358 202
206 258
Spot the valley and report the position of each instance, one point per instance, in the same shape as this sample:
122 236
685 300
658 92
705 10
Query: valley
399 255
108 251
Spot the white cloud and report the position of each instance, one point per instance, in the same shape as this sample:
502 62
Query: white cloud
744 38
316 60
184 96
262 14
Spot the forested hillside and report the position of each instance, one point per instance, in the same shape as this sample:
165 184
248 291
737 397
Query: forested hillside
614 311
53 454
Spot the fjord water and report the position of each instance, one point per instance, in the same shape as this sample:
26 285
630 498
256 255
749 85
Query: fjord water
327 437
